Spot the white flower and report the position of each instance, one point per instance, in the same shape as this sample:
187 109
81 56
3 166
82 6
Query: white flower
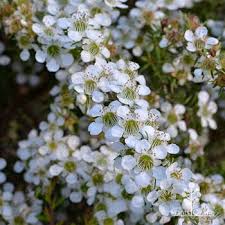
174 117
55 56
94 48
198 41
78 25
206 110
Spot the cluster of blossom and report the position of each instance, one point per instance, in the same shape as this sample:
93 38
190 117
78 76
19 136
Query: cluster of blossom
79 29
128 167
147 185
16 207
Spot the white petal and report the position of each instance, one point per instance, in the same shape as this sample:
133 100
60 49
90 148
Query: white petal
212 41
163 43
143 90
25 55
63 23
128 162
189 36
148 131
52 65
86 56
164 209
97 96
117 131
168 68
96 110
123 111
37 28
55 170
201 32
172 149
49 20
142 146
160 152
142 179
75 197
203 97
179 109
105 52
40 56
152 196
2 163
95 128
67 60
103 19
191 47
74 35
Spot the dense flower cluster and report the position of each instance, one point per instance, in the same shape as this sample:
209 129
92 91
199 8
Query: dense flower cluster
109 139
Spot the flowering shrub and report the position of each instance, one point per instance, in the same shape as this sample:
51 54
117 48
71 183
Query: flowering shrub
139 86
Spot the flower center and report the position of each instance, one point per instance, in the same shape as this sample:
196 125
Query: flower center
129 93
89 86
109 119
70 166
177 175
166 196
131 127
97 179
145 162
108 221
80 25
53 50
94 48
199 44
218 210
172 118
19 221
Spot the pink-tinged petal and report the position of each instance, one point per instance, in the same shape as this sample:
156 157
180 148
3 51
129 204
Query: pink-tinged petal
189 36
212 41
191 47
201 32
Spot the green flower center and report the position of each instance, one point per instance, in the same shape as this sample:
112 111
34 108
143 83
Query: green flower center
145 162
53 50
48 31
70 166
131 127
166 196
109 119
218 210
204 187
52 145
108 221
172 118
156 142
19 221
94 48
199 44
24 41
89 86
177 175
80 25
98 179
130 73
95 11
129 93
188 60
